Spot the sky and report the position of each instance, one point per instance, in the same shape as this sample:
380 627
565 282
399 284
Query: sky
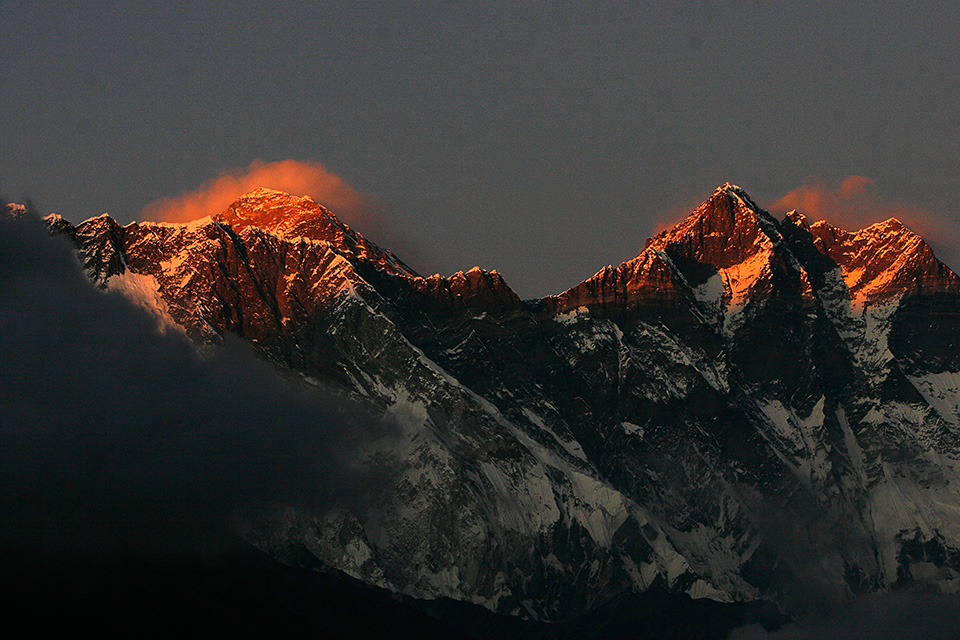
542 139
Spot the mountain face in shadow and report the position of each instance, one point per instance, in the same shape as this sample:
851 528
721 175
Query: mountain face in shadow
751 409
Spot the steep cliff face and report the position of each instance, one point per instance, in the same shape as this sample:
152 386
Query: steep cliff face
884 260
290 217
725 255
749 408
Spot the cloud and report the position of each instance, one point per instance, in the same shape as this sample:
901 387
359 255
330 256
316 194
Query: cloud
856 202
116 439
855 186
852 203
299 178
359 210
903 616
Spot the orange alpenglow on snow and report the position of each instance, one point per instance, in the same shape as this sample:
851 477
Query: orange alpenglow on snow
729 252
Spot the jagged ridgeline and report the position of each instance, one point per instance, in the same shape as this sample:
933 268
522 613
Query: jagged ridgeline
750 408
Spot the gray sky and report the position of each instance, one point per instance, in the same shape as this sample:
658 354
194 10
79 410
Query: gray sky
541 139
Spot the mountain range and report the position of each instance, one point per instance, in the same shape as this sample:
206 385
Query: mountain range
750 409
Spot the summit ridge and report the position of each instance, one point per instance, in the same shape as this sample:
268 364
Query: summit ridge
732 240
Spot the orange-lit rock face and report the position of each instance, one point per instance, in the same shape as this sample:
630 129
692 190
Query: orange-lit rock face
214 279
730 252
283 215
728 238
291 217
475 288
724 231
645 280
883 260
269 261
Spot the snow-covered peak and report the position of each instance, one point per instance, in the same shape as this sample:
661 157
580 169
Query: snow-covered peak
883 259
892 223
476 287
267 192
723 231
56 224
727 244
736 191
100 222
728 186
796 218
14 210
292 217
281 213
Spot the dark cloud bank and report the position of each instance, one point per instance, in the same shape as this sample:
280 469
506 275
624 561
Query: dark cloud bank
881 616
126 460
118 440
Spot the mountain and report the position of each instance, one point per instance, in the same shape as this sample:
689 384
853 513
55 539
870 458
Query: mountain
749 409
